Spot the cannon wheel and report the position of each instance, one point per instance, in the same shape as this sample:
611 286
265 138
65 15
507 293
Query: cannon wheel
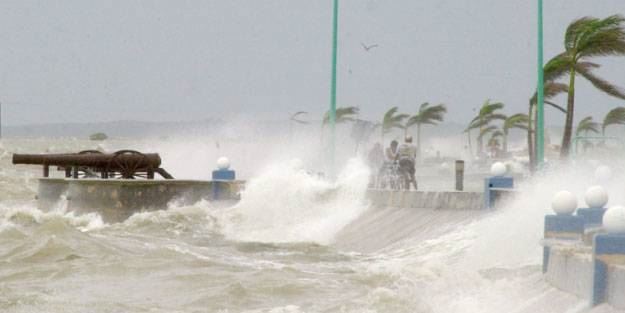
84 171
126 169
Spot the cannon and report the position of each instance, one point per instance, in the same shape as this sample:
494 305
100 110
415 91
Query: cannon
123 164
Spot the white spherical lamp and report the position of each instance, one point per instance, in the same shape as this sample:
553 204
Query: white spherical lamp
223 163
498 169
603 173
445 166
596 197
614 220
564 203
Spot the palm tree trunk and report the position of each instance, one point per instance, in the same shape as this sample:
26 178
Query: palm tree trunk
419 143
505 143
530 137
470 147
568 126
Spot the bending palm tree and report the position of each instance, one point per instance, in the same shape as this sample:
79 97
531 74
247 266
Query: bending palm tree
551 90
587 125
343 114
519 121
614 117
427 115
392 120
493 142
587 38
487 114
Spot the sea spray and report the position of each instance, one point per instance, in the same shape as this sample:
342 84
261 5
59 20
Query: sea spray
288 204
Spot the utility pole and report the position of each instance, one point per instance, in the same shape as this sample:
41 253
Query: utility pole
332 115
540 103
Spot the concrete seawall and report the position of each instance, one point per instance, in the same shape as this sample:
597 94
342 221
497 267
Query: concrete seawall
449 200
571 268
116 200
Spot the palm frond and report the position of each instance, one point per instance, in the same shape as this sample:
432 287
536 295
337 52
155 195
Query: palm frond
343 114
586 125
551 90
518 120
600 83
393 120
616 116
557 67
486 130
602 37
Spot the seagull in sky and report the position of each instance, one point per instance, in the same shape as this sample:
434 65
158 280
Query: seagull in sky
367 48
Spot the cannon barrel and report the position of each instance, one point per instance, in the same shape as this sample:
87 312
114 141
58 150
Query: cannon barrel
94 160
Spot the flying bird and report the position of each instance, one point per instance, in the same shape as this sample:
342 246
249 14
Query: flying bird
367 48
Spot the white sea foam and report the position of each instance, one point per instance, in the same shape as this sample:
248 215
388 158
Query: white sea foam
287 204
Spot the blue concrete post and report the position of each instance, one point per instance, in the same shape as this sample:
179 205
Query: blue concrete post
493 187
561 227
592 217
221 183
604 247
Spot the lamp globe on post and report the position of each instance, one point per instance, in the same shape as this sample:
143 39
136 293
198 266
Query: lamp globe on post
223 163
596 197
498 169
614 220
564 203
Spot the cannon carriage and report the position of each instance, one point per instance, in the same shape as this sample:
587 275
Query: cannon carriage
123 164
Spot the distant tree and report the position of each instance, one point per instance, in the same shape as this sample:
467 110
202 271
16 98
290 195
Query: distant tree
98 136
551 90
585 126
616 116
427 115
343 114
487 114
392 120
518 121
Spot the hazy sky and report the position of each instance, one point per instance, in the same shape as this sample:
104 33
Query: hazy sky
64 61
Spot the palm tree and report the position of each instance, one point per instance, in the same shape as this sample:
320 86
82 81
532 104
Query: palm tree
519 121
586 38
551 90
586 125
493 142
614 117
392 120
343 114
427 115
487 114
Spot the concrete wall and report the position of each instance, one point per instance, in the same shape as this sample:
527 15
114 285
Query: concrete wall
116 200
616 286
571 270
454 200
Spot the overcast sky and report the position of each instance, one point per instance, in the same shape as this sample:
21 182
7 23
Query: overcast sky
63 61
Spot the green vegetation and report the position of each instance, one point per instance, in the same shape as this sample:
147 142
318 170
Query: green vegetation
392 120
586 38
519 121
343 114
488 113
615 117
427 115
587 125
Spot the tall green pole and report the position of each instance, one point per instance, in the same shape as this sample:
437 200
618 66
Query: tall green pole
335 26
540 113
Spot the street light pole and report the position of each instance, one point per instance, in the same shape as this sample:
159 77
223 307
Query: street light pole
332 115
540 103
